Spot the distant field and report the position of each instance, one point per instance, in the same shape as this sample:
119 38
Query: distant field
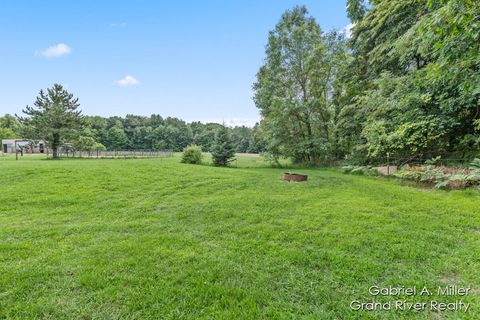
154 239
243 160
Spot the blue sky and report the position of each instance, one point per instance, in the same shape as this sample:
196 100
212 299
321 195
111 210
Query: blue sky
195 60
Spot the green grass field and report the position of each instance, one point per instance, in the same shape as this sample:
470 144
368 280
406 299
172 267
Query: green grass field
154 239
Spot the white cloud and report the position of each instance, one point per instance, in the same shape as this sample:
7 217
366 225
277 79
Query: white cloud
347 30
57 50
127 81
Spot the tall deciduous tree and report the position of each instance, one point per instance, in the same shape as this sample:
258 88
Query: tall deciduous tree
293 89
417 63
9 127
356 10
55 117
116 137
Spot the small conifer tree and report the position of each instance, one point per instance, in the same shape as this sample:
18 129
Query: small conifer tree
223 149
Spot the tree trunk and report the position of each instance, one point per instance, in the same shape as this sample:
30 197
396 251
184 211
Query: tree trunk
55 144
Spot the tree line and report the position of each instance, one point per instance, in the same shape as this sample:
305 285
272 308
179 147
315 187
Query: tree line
55 117
170 133
405 83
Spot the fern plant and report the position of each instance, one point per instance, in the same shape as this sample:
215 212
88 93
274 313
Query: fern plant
475 164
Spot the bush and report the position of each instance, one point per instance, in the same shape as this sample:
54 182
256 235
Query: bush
431 174
442 177
475 164
409 173
433 161
347 169
272 159
192 154
360 170
458 181
474 178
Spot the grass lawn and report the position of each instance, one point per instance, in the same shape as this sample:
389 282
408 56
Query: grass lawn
153 239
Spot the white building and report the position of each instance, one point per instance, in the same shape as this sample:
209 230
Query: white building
8 145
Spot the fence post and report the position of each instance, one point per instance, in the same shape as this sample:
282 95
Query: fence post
388 163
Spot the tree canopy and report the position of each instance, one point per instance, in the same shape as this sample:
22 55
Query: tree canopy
293 88
407 83
418 63
55 117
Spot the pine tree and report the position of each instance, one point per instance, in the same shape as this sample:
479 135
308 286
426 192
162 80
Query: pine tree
54 117
223 149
